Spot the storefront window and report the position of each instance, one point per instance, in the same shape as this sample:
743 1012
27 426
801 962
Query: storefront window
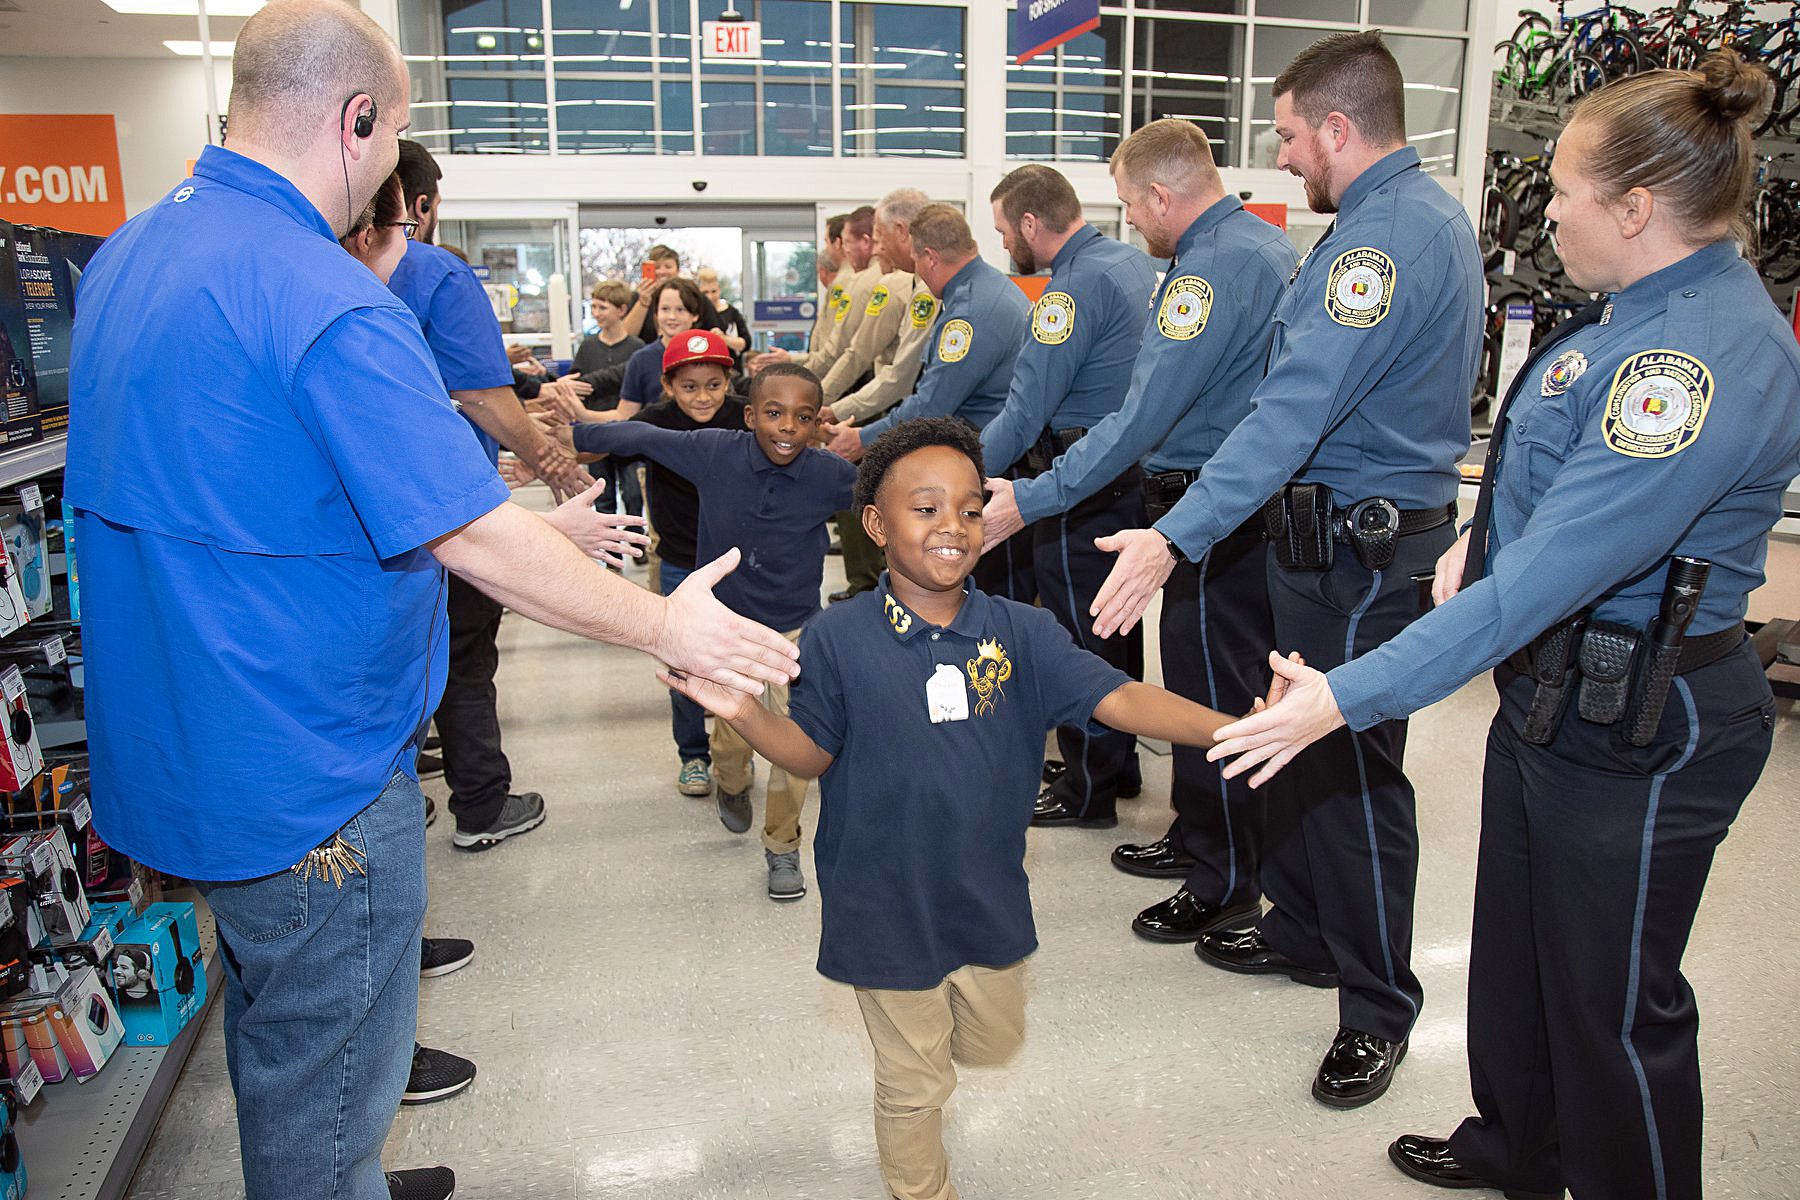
906 74
1065 103
1192 71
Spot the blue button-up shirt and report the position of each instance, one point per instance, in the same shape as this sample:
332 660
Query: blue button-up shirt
1377 343
264 632
1194 374
1671 428
1074 368
775 515
981 326
920 852
452 308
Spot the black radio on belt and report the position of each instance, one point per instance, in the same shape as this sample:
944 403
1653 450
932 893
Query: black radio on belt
1164 490
1305 525
1051 445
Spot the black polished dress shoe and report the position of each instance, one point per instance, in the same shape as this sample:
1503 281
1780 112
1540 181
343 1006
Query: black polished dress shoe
1183 917
840 597
1244 951
1161 859
1054 770
1429 1160
1051 811
1357 1069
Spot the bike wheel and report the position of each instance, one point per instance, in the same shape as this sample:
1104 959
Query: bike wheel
1618 54
1499 226
1684 54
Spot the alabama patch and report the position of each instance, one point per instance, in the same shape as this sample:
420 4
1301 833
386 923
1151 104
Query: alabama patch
924 307
954 342
1054 319
1186 304
1657 404
1360 289
877 301
1569 366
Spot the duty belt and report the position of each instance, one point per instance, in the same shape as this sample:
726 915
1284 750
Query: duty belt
1304 523
1696 652
1051 445
1164 490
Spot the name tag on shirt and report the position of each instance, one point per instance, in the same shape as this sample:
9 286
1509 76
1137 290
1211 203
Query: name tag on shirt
945 697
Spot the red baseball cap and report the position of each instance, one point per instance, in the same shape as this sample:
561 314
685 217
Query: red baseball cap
696 346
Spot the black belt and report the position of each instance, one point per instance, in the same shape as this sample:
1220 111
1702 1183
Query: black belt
1051 445
1304 521
1696 652
1164 490
1408 521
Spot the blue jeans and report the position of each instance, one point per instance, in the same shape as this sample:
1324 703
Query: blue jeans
689 718
321 1004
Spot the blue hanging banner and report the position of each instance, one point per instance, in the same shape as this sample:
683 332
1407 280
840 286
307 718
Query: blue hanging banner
1046 24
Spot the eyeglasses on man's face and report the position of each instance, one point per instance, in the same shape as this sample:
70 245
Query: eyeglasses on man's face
410 227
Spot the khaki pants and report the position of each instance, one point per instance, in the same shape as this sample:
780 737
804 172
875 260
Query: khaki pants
976 1017
731 756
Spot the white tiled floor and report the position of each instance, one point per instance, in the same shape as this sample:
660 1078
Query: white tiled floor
648 1024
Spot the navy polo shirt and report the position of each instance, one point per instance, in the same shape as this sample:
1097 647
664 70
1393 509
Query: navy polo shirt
643 375
264 633
920 853
774 514
459 324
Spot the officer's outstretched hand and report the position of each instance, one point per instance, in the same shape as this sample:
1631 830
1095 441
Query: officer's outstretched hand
1299 716
1144 565
847 443
702 637
1450 570
609 537
728 704
1000 517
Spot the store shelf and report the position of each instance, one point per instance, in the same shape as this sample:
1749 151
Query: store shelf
28 462
82 1141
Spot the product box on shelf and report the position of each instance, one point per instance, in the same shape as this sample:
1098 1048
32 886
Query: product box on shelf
22 530
87 1024
51 319
18 383
28 1038
21 928
13 613
22 760
158 974
68 515
105 926
46 863
12 1162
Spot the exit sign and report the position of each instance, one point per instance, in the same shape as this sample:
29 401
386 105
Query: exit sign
731 39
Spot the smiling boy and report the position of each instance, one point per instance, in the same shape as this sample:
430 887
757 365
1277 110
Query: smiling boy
921 708
767 493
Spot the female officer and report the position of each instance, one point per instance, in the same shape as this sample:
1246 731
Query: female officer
1663 422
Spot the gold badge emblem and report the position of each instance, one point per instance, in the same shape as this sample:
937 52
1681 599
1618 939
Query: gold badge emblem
924 307
1360 289
988 670
1054 319
1657 404
954 342
897 615
1185 306
1569 366
877 301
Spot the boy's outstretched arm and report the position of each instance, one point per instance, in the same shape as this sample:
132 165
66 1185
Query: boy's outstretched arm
777 739
1150 711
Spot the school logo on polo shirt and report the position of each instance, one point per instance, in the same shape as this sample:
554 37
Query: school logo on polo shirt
1657 404
954 342
1185 307
1360 289
924 307
897 616
988 670
1054 319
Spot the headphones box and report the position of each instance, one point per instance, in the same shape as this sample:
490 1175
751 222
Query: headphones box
87 1024
21 760
13 613
28 552
18 380
12 1163
26 1036
47 865
158 974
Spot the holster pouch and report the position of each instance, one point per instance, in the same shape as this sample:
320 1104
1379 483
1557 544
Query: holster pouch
1649 689
1606 653
1553 669
1298 521
1373 527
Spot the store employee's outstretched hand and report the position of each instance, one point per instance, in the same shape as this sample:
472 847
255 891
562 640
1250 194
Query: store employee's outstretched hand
703 637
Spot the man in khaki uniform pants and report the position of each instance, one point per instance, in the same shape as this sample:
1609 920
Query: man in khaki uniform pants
894 341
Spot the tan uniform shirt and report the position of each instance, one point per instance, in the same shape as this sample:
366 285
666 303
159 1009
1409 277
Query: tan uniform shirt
895 377
827 314
874 336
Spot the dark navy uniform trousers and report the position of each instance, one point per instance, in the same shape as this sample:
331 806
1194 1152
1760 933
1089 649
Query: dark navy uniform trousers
1582 1030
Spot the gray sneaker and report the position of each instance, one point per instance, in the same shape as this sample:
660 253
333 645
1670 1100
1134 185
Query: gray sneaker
785 880
695 778
521 814
734 810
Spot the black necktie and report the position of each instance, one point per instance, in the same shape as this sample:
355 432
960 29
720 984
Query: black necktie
1476 563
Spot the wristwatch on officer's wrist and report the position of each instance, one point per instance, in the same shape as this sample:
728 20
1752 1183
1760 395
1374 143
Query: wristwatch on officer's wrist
1174 550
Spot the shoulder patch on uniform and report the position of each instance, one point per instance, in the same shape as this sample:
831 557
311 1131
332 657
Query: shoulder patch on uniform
1657 404
1360 288
843 308
834 296
877 301
954 342
924 308
1054 318
1186 305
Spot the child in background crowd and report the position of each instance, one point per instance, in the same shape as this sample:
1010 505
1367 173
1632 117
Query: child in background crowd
921 707
726 317
768 493
599 362
676 305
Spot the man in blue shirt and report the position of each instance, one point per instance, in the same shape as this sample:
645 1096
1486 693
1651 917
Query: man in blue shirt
1071 374
1355 433
982 322
263 649
459 325
1203 354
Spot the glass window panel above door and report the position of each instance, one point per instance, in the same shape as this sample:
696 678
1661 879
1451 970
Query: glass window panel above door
493 35
595 116
908 41
1427 14
1307 10
1199 6
796 119
1433 69
634 38
493 114
1192 71
728 117
1072 93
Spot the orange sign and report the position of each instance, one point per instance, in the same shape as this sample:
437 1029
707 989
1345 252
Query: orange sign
61 172
1274 214
1032 285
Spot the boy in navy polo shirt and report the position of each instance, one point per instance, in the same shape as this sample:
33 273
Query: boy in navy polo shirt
768 493
921 708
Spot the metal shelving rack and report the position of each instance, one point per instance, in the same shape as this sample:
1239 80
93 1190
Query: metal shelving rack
28 462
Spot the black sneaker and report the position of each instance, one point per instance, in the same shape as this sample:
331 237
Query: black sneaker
430 811
422 1183
436 1075
441 956
522 814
